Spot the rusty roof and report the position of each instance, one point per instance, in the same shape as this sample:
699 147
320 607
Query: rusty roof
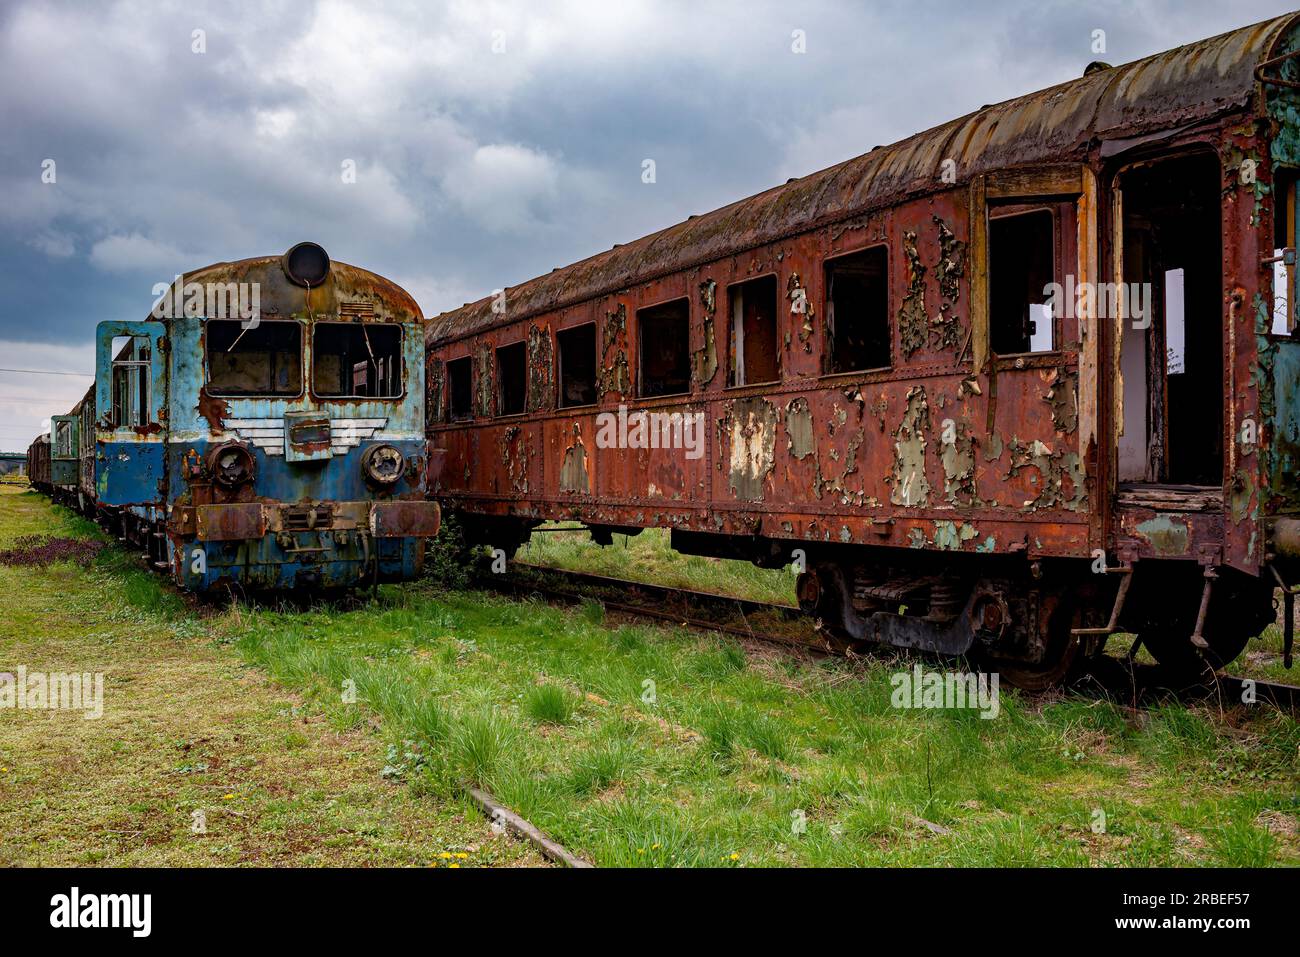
345 284
1176 88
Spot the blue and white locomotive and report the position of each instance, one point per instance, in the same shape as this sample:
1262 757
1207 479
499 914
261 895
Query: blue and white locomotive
263 428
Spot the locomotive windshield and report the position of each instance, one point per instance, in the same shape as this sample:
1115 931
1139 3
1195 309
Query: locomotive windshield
357 360
262 360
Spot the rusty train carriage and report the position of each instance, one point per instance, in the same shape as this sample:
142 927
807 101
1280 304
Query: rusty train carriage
278 453
972 462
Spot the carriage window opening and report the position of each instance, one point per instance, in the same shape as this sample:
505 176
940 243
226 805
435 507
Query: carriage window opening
357 360
260 360
577 349
665 348
857 311
63 439
132 395
1284 237
1175 337
755 356
512 378
458 389
1021 267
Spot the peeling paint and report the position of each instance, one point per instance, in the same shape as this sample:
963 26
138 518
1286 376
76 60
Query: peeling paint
910 485
1058 475
958 458
751 438
614 376
800 305
912 319
799 428
573 471
1063 397
1168 535
705 364
949 270
541 369
485 380
950 536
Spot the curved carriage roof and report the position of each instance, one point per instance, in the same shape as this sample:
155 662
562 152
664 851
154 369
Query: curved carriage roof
346 284
1169 90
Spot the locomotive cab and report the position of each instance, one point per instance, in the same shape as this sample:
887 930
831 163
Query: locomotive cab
264 429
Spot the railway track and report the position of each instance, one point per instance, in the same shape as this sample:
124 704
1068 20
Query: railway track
786 626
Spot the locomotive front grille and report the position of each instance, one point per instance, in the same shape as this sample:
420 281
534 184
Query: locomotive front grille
305 518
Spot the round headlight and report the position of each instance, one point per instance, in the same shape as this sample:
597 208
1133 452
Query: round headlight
306 264
232 465
383 464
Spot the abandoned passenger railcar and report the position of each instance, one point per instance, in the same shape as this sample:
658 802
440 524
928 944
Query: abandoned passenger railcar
1011 385
264 428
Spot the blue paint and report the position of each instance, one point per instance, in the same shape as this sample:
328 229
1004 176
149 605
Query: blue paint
147 469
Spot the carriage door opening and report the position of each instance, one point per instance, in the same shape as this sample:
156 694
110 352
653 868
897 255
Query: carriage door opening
1171 354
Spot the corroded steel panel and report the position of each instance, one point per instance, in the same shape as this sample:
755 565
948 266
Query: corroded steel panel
404 519
228 523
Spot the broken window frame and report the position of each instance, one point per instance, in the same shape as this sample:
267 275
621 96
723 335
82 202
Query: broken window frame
132 385
828 310
1011 210
207 361
734 368
451 413
522 346
641 350
560 336
1286 229
368 328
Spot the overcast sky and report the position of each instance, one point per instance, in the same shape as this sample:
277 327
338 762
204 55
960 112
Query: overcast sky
491 141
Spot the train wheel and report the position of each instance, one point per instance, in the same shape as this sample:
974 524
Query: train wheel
1172 648
1059 659
1240 608
818 592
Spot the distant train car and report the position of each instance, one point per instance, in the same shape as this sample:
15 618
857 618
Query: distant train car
38 464
1005 387
263 428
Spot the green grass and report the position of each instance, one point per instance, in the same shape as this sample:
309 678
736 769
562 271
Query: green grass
676 748
189 727
632 745
548 704
649 556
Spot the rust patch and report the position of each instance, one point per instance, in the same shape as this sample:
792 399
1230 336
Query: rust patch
801 305
957 453
436 378
911 314
1063 397
541 369
705 364
1168 535
213 410
1057 475
514 456
799 428
485 380
950 268
614 375
573 471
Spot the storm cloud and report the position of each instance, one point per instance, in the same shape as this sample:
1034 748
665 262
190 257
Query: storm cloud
490 141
